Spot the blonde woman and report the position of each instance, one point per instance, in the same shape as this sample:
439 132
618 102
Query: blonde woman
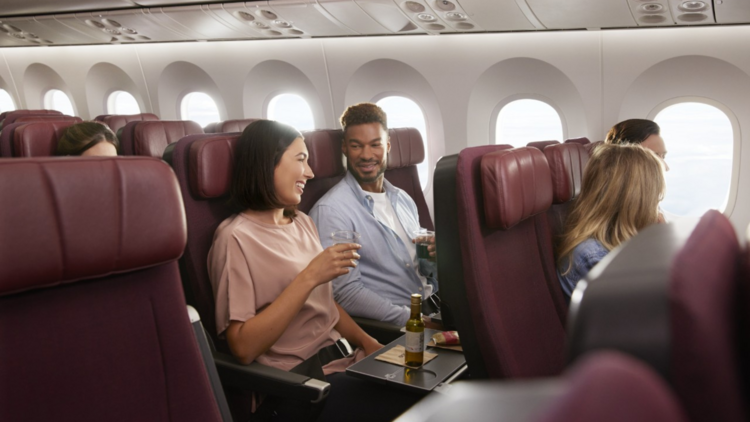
622 188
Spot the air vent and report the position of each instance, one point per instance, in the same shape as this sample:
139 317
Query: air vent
693 6
112 23
129 31
464 25
413 6
272 33
111 31
260 25
445 5
692 17
244 16
426 17
295 32
652 7
282 24
267 14
455 16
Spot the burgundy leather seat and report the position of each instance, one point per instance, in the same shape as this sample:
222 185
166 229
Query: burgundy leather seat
150 138
13 114
116 121
501 197
605 386
582 140
228 126
326 163
35 139
669 296
47 118
407 150
540 145
92 318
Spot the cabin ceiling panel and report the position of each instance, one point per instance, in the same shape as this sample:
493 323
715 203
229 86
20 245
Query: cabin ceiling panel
501 15
306 16
732 11
351 15
46 30
572 14
130 26
34 7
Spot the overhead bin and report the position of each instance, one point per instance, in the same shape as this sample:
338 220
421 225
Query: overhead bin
576 14
501 15
732 11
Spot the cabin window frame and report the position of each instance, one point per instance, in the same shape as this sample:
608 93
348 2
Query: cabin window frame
47 101
12 101
731 201
182 106
425 144
111 104
275 94
525 96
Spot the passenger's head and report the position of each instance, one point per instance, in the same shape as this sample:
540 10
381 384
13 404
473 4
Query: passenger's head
88 139
270 168
620 195
639 131
365 144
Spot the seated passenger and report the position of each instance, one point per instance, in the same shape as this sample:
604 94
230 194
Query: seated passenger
386 217
88 139
271 277
639 131
622 187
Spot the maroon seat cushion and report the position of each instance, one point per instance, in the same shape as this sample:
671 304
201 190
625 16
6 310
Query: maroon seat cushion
236 125
703 291
39 139
326 162
407 150
116 121
48 118
150 138
506 272
613 387
582 140
92 316
540 145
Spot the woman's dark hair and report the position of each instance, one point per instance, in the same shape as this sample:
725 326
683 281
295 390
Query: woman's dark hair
81 136
258 152
632 131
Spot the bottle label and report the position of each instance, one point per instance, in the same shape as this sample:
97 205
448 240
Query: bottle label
414 342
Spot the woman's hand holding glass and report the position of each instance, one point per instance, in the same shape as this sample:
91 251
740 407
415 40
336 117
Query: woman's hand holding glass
333 262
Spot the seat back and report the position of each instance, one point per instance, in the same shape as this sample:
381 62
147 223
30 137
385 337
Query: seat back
38 139
407 150
582 140
13 114
92 316
150 138
116 121
47 118
228 126
680 281
502 196
325 160
203 166
540 145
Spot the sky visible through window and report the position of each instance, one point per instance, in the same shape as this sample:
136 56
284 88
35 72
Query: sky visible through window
403 112
122 102
6 101
200 108
700 144
524 121
292 110
57 100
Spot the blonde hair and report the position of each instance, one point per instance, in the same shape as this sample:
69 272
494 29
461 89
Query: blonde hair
620 195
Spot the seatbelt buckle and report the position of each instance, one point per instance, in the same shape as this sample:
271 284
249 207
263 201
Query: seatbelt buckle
344 347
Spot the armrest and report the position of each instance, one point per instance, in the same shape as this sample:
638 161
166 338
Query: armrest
383 332
265 379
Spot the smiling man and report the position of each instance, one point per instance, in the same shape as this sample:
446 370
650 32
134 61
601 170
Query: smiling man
385 216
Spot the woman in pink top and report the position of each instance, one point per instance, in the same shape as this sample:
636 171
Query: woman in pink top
271 278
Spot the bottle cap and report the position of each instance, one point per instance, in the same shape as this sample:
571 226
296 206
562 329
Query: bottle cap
416 298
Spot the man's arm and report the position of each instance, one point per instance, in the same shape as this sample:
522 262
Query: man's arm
348 289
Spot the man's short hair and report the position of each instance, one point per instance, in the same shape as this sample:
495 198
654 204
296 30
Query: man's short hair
363 113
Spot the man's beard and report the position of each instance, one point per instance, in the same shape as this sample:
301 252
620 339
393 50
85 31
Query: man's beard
359 178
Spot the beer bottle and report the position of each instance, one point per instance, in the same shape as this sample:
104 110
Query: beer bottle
415 333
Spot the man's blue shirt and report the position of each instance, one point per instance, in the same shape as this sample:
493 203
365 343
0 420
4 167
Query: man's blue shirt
587 254
381 285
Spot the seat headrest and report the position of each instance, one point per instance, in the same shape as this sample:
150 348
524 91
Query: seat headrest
566 163
150 138
407 148
211 164
13 115
582 140
116 121
38 139
324 146
516 184
540 145
49 118
228 126
67 219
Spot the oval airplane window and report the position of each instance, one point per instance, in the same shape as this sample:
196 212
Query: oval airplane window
122 102
700 147
292 110
523 121
6 101
55 99
200 108
403 112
